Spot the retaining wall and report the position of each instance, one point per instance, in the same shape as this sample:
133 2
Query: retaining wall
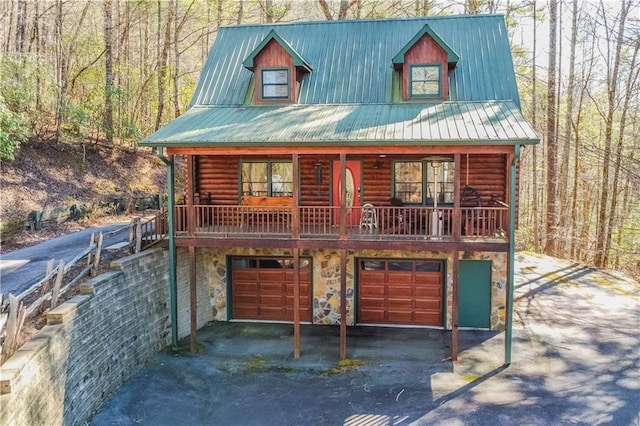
94 342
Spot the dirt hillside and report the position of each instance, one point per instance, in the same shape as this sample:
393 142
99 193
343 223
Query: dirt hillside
46 174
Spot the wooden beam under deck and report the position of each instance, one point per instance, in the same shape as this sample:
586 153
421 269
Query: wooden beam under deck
311 244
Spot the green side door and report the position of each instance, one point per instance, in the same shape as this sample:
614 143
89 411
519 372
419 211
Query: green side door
474 295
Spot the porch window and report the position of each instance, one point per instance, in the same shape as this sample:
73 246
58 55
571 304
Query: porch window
275 83
424 182
425 81
267 178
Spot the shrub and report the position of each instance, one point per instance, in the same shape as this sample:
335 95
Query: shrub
13 131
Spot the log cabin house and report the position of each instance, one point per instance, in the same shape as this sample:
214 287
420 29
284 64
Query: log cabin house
352 173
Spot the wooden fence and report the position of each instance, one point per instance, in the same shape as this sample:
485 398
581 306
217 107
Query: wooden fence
57 281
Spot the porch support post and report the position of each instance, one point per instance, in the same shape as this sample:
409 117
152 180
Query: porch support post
296 302
191 229
457 215
454 306
295 219
343 257
193 290
343 196
510 265
173 292
343 303
295 214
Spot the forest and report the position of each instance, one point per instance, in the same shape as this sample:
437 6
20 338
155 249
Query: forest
112 72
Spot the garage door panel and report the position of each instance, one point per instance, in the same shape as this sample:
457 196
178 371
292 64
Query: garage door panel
427 292
434 318
245 274
247 312
400 317
271 275
371 315
373 302
396 290
422 304
372 290
407 295
433 278
265 292
373 275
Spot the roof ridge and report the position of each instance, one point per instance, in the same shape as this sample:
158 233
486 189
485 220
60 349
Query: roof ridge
352 21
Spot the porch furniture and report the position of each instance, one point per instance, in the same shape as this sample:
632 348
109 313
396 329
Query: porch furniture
266 210
369 216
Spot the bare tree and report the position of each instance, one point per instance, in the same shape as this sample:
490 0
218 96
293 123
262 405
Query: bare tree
108 90
568 130
612 64
550 215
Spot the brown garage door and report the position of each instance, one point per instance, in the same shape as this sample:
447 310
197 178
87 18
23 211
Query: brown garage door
406 292
262 289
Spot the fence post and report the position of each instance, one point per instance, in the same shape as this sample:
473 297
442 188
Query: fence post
96 261
138 235
17 314
56 286
91 243
45 285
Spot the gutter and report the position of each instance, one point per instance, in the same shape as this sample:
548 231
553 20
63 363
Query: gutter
511 263
173 288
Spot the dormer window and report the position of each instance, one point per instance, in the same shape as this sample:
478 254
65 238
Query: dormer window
426 81
278 71
275 83
423 65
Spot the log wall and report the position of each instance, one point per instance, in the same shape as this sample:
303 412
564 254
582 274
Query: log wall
217 176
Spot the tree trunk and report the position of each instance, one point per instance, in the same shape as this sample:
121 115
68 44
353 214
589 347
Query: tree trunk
550 216
268 10
21 17
632 78
240 10
108 92
534 109
568 130
602 232
163 53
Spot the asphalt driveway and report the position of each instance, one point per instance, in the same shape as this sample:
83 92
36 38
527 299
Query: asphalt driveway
576 360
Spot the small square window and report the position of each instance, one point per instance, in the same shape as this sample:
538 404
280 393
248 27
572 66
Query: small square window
425 81
275 84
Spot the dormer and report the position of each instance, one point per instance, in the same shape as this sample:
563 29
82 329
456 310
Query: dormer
425 62
277 70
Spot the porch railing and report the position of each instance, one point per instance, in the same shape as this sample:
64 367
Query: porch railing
323 222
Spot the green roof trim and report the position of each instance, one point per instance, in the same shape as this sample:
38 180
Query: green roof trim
452 56
298 60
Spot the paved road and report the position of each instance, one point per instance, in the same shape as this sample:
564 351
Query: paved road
576 360
21 269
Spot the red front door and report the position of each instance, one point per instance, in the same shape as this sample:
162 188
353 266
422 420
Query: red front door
354 189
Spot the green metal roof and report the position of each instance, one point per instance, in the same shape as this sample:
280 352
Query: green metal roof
448 123
452 57
347 97
352 60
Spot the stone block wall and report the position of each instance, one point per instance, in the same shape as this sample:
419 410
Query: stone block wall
90 345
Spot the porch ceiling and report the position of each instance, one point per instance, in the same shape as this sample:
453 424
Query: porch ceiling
446 123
